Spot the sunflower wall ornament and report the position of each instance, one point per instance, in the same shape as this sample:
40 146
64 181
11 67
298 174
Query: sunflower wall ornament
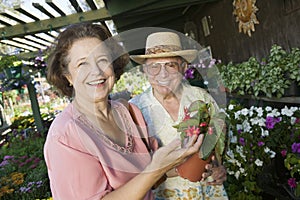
245 14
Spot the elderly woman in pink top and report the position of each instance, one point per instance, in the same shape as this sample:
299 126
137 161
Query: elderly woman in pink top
93 149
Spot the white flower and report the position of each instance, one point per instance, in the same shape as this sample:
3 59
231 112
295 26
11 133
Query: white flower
268 108
237 115
275 113
251 113
238 163
242 170
266 149
230 172
286 111
272 154
237 174
230 107
240 150
259 121
239 127
230 153
258 162
260 112
294 109
264 133
246 126
244 111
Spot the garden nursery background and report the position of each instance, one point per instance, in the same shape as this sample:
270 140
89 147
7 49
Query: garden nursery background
252 56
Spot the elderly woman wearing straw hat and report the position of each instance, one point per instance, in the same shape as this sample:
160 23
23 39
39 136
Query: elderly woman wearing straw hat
162 105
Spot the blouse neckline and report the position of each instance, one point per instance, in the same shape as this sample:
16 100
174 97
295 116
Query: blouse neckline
125 122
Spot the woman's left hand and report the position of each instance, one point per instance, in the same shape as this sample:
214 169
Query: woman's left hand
217 172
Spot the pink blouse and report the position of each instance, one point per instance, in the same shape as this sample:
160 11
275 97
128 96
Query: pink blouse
85 164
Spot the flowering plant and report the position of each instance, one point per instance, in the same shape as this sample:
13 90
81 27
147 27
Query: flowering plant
200 118
263 155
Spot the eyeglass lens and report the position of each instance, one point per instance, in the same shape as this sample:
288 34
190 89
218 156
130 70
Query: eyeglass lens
170 67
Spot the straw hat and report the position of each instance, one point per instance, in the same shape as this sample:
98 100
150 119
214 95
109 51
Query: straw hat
164 44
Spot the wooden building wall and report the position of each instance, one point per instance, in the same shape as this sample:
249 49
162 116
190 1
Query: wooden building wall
279 23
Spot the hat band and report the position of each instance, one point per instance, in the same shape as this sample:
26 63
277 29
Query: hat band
162 49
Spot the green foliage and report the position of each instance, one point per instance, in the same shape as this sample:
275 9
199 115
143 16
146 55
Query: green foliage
270 77
9 61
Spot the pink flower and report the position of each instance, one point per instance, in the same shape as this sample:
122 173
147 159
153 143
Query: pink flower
186 114
283 153
190 131
292 182
203 124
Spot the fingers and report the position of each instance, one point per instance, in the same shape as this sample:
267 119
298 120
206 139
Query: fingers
218 175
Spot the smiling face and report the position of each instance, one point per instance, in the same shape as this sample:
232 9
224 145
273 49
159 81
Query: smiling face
167 80
90 70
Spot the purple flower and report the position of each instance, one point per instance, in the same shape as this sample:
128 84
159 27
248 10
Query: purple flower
189 73
239 131
292 182
8 157
242 141
271 121
3 163
260 143
296 147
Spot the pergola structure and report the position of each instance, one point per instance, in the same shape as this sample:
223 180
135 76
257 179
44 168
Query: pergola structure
29 33
30 37
44 20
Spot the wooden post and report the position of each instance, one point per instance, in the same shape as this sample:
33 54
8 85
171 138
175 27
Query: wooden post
35 107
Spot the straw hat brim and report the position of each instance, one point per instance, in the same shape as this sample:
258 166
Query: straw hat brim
188 55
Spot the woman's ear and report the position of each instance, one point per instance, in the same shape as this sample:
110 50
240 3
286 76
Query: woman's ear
69 78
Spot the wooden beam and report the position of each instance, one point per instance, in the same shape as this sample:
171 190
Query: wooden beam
41 38
34 40
21 10
19 40
57 9
4 23
21 30
91 4
16 44
42 9
76 6
13 18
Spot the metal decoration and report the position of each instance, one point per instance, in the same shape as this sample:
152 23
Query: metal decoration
245 11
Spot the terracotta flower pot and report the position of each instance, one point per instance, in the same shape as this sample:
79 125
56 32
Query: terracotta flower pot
193 168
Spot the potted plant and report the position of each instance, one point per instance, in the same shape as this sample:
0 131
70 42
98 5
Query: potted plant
200 119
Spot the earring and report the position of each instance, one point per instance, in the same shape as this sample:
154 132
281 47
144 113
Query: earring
70 84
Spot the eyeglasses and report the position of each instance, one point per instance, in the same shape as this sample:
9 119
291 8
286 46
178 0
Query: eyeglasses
154 68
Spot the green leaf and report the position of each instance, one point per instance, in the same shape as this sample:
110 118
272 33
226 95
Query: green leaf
210 140
182 126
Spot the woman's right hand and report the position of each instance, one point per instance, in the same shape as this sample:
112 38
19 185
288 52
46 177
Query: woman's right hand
169 156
